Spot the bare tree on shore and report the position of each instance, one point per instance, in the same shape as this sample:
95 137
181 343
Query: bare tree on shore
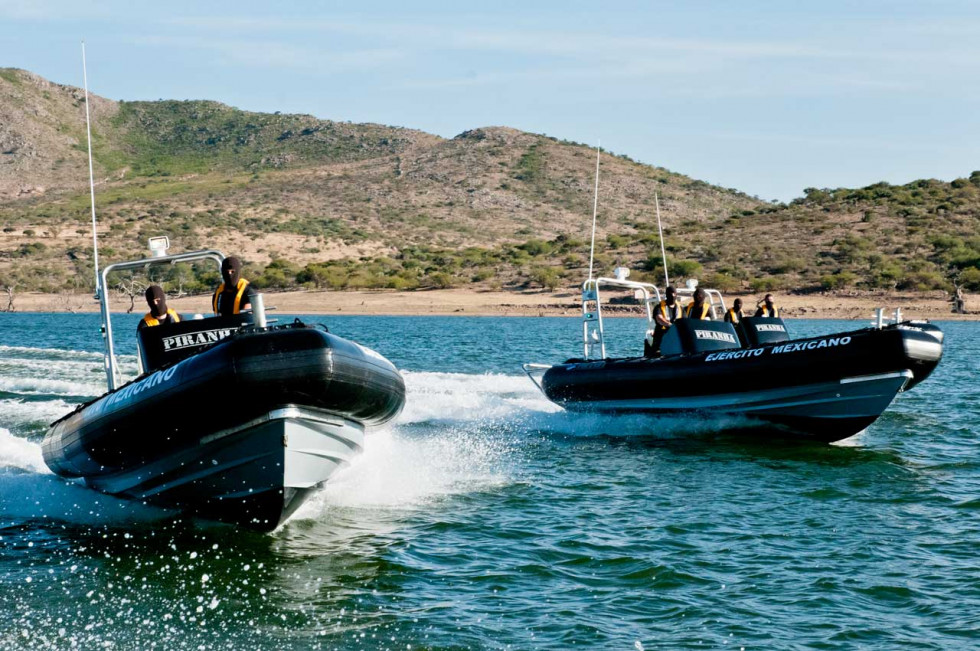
131 288
9 290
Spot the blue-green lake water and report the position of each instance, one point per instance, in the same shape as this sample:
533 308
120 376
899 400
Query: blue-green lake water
487 518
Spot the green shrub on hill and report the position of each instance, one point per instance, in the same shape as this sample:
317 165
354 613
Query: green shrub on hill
493 207
970 279
547 277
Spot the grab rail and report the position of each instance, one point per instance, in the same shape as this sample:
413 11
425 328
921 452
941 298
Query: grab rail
530 369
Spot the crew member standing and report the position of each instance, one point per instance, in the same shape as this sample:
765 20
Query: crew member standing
664 316
234 294
767 308
699 307
734 314
159 313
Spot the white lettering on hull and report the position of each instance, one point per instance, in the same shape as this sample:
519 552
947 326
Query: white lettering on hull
136 388
811 345
830 342
734 354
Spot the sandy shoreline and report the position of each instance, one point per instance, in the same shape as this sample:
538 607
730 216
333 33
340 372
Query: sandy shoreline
462 302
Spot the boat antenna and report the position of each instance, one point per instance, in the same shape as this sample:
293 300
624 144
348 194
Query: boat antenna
595 206
663 251
91 178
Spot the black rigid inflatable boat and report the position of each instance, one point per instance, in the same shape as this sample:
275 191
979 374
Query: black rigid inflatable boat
821 388
233 419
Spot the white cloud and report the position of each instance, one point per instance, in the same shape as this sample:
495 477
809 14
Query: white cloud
581 45
277 54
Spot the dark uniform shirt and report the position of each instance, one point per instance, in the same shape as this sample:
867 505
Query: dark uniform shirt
702 312
669 312
226 300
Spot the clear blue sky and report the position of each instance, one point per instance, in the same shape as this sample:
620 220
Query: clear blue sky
766 97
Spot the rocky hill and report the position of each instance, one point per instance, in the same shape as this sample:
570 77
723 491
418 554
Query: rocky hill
328 204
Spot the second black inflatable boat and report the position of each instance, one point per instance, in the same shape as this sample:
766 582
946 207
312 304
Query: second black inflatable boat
822 388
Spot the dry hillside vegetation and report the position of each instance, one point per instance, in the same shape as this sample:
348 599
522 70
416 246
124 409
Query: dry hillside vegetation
316 203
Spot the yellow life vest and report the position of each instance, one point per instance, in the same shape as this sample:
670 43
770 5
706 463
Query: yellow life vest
733 316
775 312
236 308
151 320
704 311
677 312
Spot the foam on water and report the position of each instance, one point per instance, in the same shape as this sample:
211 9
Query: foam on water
29 491
17 454
457 397
50 372
448 398
37 367
456 436
49 353
17 412
399 471
28 386
65 361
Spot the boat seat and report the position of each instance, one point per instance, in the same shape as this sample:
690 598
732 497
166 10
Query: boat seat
689 336
762 330
172 342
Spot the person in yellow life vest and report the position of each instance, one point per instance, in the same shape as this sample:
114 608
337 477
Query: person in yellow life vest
699 307
664 316
234 294
767 307
159 313
734 314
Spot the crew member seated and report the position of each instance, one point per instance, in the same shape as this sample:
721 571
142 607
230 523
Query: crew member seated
699 308
159 313
234 294
664 316
767 308
734 314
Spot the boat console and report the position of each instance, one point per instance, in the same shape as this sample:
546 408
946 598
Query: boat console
688 336
169 343
762 330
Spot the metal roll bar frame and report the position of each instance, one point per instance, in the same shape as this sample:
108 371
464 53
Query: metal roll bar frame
112 381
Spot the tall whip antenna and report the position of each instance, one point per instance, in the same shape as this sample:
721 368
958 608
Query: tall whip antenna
91 177
663 251
595 206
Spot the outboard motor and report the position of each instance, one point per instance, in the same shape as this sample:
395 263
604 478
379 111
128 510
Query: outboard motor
698 336
761 330
172 342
